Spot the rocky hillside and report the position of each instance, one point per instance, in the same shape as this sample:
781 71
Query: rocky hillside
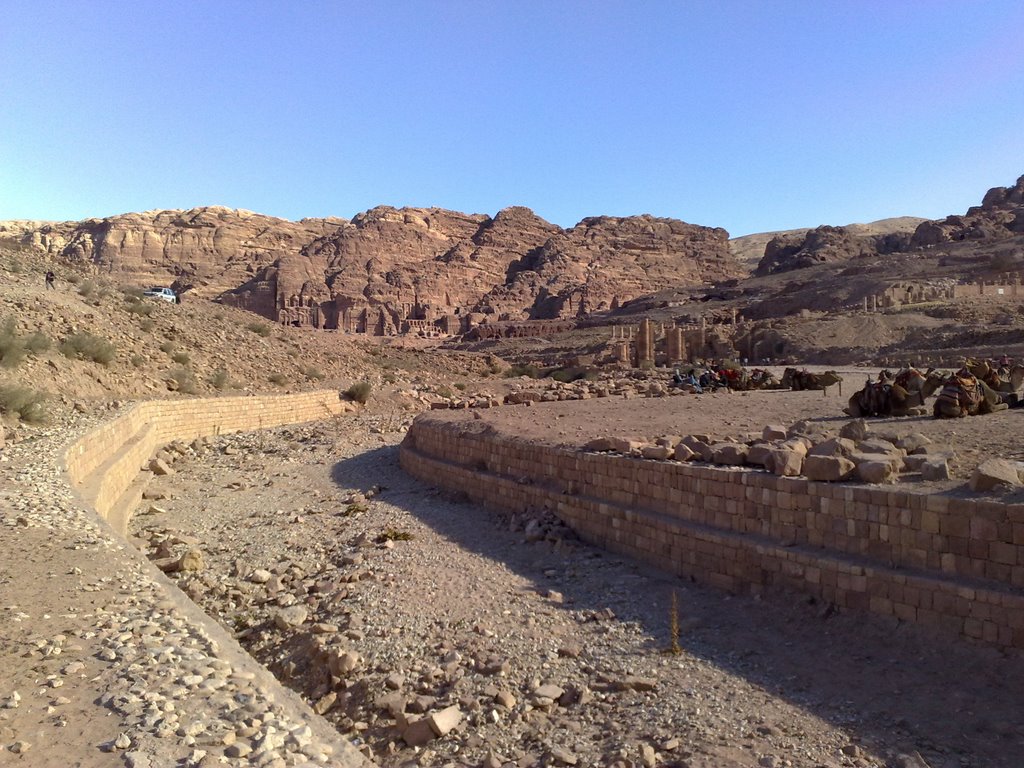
391 271
206 250
999 218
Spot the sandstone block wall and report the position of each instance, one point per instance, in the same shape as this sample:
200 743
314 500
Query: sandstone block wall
955 564
104 463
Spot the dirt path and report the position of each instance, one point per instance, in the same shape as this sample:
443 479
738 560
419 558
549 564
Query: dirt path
440 603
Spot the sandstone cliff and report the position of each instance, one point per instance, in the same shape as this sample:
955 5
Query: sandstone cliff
209 250
435 271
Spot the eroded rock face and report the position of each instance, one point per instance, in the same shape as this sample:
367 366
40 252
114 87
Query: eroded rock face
389 271
1000 215
822 245
208 250
434 271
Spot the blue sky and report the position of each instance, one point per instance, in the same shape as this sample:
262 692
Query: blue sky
751 116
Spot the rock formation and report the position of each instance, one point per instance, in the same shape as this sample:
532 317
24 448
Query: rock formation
209 250
1000 215
437 272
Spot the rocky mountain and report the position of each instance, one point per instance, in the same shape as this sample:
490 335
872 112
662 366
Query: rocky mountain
390 271
209 250
999 217
436 271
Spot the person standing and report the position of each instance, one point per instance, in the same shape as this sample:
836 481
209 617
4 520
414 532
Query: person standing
51 280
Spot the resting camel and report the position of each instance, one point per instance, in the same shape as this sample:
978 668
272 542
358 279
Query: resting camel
909 389
800 380
1010 381
964 394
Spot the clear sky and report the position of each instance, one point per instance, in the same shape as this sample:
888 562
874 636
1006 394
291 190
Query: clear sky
749 115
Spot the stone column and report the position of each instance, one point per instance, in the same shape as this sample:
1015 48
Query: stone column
645 343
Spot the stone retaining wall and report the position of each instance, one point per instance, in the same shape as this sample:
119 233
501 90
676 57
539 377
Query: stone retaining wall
105 462
933 559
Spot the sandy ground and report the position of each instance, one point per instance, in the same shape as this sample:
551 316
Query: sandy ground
461 591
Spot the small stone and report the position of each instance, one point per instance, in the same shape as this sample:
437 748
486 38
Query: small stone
260 576
123 741
238 749
289 617
563 755
160 467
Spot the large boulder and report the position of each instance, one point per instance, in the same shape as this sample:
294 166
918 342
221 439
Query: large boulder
994 473
828 468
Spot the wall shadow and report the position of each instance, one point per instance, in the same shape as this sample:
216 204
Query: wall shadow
893 687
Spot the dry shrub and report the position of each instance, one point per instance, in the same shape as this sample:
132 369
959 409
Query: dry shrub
181 358
220 379
185 381
27 404
86 346
12 346
360 392
260 329
278 378
313 374
38 342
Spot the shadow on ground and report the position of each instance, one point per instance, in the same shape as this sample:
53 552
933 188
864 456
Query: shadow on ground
892 687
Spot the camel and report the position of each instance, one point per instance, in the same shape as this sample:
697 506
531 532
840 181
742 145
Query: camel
908 390
964 394
1003 379
800 380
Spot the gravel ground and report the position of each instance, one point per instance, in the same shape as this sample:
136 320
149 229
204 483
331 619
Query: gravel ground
383 601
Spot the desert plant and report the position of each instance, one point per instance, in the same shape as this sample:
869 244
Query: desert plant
184 380
460 385
37 342
133 295
260 329
14 265
167 347
313 374
86 288
220 379
85 346
277 378
143 308
360 392
181 358
29 405
516 371
147 324
138 360
73 277
12 346
393 534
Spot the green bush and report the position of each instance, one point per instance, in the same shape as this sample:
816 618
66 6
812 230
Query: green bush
29 405
524 370
12 346
360 392
86 346
138 361
167 347
572 373
260 329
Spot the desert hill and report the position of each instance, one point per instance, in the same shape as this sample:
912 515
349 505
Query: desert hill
389 271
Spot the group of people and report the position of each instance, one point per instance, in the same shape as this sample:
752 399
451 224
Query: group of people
707 378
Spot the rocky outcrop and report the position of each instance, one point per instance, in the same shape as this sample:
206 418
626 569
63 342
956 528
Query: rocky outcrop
605 261
823 245
1000 215
436 272
208 250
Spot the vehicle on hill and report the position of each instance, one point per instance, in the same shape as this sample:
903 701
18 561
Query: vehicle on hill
166 294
